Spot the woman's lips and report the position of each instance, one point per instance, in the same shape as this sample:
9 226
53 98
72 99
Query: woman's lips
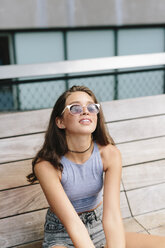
85 121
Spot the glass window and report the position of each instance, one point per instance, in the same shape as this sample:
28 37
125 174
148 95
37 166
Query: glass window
6 97
4 50
92 44
39 47
140 41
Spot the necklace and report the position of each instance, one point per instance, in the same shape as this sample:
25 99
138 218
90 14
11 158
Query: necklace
82 151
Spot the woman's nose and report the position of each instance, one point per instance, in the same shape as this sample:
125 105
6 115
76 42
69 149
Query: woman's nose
85 110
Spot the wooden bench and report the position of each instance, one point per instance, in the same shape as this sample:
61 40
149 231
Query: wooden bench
138 128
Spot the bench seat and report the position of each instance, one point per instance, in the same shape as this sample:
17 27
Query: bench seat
138 128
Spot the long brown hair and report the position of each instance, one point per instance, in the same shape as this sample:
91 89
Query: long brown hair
55 144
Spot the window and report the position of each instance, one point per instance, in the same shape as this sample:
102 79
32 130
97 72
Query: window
4 50
6 96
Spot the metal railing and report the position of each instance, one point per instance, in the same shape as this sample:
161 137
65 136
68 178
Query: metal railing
108 77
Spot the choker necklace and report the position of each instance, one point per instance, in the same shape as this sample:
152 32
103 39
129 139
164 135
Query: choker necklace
82 151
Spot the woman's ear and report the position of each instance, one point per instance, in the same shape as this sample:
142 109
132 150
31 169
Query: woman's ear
60 123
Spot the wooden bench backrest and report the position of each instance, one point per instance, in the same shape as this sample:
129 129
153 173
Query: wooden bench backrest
138 128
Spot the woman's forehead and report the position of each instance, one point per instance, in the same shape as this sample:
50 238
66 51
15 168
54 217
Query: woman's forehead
79 96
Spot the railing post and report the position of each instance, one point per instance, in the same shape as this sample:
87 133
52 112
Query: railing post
164 66
15 87
65 56
116 53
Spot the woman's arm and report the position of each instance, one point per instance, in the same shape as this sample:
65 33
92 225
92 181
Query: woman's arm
49 179
112 220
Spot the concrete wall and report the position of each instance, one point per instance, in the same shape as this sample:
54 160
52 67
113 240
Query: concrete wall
72 13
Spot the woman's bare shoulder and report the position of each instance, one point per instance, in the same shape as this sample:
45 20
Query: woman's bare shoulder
110 155
109 150
45 168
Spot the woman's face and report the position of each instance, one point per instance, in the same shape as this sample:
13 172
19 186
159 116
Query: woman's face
83 123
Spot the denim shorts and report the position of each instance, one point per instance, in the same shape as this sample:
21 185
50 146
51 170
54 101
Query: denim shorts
55 233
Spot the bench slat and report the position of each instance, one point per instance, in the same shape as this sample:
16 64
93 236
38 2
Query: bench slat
20 229
124 206
37 244
25 147
134 108
137 129
20 148
131 225
142 175
28 227
20 123
14 174
147 199
158 231
152 220
142 151
21 200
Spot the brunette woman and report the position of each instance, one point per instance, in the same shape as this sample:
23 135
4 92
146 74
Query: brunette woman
84 209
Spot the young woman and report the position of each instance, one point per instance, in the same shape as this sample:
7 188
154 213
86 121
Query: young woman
76 153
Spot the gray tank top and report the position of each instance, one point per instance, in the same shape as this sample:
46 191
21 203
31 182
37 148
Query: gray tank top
83 183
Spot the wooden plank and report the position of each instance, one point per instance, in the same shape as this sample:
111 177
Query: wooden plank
134 108
22 229
158 231
19 123
147 199
21 200
124 206
20 148
25 199
25 147
28 227
121 187
142 151
142 175
152 220
149 127
37 244
131 225
145 232
14 174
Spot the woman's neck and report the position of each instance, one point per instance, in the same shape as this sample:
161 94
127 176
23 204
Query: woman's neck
78 142
79 148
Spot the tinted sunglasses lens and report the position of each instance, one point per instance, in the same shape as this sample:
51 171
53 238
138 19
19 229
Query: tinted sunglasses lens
76 109
93 108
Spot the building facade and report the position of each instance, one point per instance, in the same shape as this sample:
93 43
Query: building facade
41 31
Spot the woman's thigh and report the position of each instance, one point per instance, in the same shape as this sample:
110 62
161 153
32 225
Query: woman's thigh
140 240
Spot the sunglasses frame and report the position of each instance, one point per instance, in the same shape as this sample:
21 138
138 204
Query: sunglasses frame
69 106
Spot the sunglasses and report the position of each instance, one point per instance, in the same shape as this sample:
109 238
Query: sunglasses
76 109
